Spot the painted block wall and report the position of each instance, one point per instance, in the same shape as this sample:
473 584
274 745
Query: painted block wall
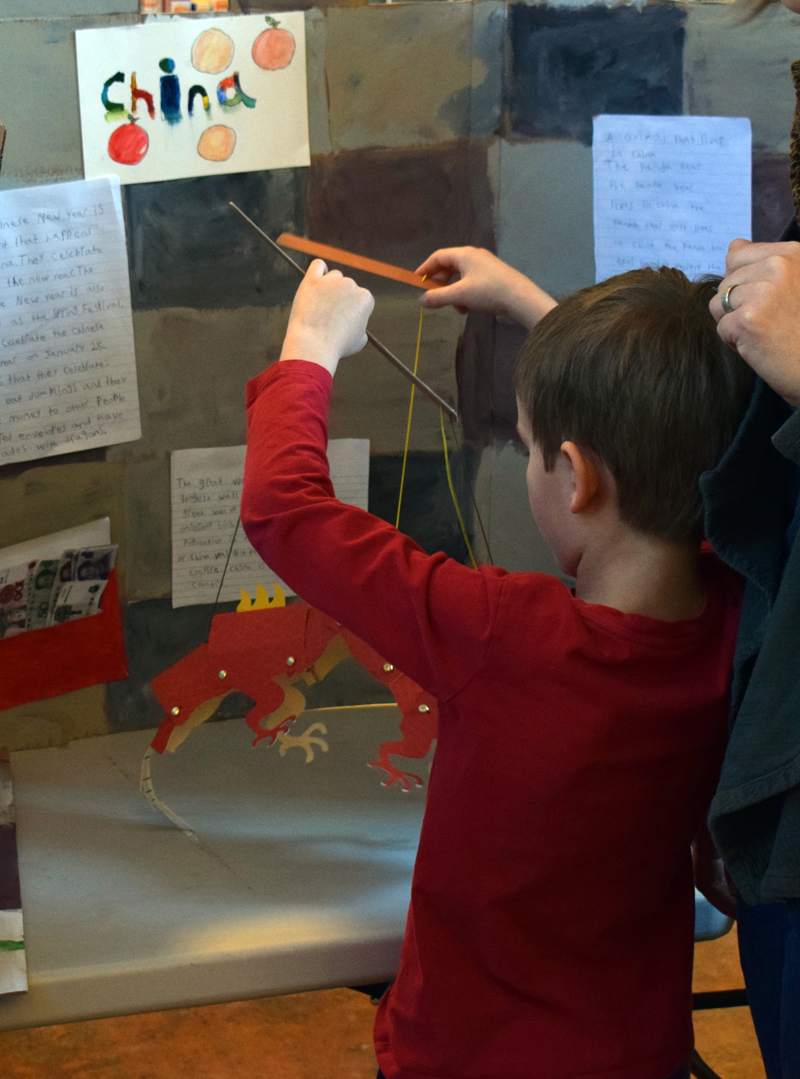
431 124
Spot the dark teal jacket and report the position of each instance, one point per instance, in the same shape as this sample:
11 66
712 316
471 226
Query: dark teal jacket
750 503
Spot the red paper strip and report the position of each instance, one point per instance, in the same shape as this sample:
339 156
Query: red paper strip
357 262
59 659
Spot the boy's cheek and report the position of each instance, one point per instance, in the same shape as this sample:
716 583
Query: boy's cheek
552 518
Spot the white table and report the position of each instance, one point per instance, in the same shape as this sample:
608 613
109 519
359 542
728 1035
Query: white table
300 879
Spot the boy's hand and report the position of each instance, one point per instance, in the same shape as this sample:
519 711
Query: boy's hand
485 284
328 319
764 326
710 876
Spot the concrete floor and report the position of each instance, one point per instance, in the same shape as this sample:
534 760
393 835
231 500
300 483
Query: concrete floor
325 1035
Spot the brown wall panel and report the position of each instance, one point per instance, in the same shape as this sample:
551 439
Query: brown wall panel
400 205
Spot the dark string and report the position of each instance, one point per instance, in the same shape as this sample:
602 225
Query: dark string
471 492
222 580
794 144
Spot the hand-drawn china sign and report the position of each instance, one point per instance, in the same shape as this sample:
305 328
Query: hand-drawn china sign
184 97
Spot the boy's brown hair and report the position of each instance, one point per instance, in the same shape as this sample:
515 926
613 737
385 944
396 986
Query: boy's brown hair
633 371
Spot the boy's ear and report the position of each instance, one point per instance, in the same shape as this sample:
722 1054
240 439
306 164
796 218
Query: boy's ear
586 479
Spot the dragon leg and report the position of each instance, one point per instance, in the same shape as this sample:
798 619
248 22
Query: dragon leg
419 712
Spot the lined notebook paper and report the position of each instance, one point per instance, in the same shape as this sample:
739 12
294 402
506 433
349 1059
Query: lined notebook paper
669 191
67 365
206 490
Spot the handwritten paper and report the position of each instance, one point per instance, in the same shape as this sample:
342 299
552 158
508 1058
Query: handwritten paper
193 97
206 491
669 191
67 365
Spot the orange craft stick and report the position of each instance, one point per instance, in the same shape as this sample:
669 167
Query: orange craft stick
357 262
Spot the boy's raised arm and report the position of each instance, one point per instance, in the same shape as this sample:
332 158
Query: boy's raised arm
355 567
486 283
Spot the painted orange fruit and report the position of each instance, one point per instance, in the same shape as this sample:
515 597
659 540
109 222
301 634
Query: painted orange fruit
274 48
217 143
128 144
212 51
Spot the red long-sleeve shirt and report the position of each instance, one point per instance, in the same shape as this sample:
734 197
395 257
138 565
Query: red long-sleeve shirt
551 920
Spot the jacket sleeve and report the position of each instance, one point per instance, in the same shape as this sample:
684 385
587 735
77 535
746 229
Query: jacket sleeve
428 614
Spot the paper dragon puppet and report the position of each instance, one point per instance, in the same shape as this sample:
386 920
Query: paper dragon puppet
264 649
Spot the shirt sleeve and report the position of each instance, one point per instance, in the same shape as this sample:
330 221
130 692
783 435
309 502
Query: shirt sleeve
786 439
428 614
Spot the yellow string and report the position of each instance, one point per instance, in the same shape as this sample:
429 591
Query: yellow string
446 454
408 425
453 492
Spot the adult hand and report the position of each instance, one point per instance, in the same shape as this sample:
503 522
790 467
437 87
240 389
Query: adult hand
764 325
328 319
485 284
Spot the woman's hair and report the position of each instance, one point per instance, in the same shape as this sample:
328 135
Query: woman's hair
633 371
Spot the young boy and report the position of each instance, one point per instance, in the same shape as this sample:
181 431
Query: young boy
580 734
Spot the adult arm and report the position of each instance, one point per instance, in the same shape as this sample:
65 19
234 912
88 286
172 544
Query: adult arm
764 325
485 283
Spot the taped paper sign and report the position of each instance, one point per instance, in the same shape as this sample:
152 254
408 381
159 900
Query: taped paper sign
206 490
67 363
182 97
669 191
